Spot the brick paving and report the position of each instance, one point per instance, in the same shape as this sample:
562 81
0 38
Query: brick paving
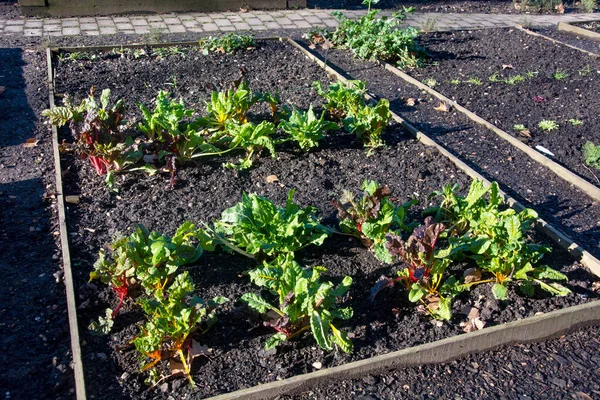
257 21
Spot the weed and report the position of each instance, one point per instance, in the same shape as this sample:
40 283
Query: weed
229 43
576 122
547 125
560 75
585 70
519 127
514 80
474 81
591 153
495 78
588 5
455 81
430 82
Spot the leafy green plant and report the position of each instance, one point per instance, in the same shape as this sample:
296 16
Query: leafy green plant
369 37
495 239
515 79
454 81
495 78
588 5
540 5
474 81
305 129
341 99
173 320
257 228
146 260
231 104
166 123
347 102
96 129
519 127
228 43
430 82
560 75
164 52
591 153
548 125
303 302
251 138
575 122
371 216
423 271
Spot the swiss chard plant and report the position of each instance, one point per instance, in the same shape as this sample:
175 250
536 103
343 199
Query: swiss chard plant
423 272
306 129
258 228
229 105
146 260
173 321
347 103
591 152
301 302
251 138
371 216
369 37
495 238
96 128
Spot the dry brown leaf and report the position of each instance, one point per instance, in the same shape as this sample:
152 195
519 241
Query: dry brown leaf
243 10
443 107
31 142
272 179
525 133
473 322
507 66
560 9
197 350
312 46
176 367
410 102
326 45
472 275
220 50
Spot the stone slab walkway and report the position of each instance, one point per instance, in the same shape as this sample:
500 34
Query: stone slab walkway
256 21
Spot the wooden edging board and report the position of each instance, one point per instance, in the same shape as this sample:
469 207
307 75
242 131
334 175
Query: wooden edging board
532 33
566 27
562 172
527 330
64 243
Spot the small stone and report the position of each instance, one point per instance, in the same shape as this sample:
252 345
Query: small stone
317 365
124 376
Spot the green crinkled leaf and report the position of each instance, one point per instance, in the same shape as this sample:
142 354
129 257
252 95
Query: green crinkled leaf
444 310
522 273
513 228
275 340
256 302
545 272
499 291
343 287
104 324
343 313
341 339
554 288
416 293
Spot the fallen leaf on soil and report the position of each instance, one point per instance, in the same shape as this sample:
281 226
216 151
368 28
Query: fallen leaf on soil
243 10
312 46
472 275
72 199
410 102
582 396
31 142
507 66
473 322
443 107
326 45
433 301
525 133
2 89
560 8
197 350
176 367
272 179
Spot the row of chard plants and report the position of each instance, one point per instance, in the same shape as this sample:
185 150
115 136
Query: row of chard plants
463 241
172 134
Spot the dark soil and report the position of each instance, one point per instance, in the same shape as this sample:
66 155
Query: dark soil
563 368
35 347
204 190
592 26
9 9
438 6
521 177
580 42
464 55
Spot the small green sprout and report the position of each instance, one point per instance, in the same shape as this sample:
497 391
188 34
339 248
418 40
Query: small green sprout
514 80
474 81
495 78
430 82
455 81
585 70
576 122
547 125
560 75
519 127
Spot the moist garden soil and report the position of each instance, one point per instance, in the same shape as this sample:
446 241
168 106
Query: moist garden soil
479 54
237 359
591 26
581 42
532 184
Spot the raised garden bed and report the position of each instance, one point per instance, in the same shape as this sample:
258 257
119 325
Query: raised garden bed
530 183
204 190
559 88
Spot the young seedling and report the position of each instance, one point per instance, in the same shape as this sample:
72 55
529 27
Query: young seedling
585 70
560 75
305 129
514 80
495 78
519 127
455 81
548 125
474 81
302 303
226 44
591 153
371 216
430 82
575 122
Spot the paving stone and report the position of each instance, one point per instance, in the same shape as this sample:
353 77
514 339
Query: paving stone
33 32
222 22
139 22
186 17
15 22
13 28
265 18
295 17
157 24
177 29
142 30
289 27
172 21
67 24
106 22
259 28
303 24
210 27
52 28
71 31
204 20
313 20
332 23
241 26
123 27
154 18
272 25
226 28
91 33
235 18
34 24
121 20
190 24
88 27
195 30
